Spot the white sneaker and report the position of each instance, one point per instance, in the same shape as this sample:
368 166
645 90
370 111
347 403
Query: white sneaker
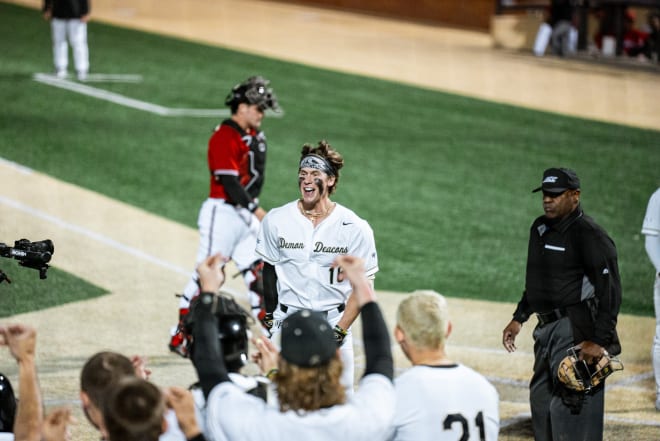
82 76
61 73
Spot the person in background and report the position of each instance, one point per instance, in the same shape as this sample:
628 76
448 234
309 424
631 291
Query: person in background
651 230
68 23
651 49
558 29
633 38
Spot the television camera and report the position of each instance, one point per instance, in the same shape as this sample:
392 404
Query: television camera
35 255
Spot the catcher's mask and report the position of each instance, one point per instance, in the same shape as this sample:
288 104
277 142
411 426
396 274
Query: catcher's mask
581 376
7 405
254 90
232 330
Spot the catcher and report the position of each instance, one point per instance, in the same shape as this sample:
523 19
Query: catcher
573 286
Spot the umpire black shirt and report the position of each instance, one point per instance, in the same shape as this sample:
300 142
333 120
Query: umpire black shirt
569 261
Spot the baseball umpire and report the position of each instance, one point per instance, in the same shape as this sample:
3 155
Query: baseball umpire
573 286
229 219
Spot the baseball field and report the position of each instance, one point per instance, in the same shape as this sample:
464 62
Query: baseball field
113 171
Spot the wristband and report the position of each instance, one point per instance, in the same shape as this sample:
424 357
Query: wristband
272 373
253 205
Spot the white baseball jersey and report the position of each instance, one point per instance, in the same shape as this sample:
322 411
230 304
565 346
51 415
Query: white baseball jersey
441 403
173 432
651 227
302 254
234 415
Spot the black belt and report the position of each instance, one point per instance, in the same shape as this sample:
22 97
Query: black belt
551 316
340 308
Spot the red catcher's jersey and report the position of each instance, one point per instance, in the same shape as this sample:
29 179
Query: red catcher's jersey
233 151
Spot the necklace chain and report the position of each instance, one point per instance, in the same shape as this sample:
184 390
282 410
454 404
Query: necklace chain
311 214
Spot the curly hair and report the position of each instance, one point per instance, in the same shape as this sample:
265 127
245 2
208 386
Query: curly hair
325 150
308 389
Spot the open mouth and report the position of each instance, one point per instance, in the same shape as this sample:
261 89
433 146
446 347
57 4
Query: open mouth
308 190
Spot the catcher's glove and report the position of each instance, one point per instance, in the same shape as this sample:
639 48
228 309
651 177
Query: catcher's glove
267 321
581 376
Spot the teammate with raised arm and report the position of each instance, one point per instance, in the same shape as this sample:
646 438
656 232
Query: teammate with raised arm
299 242
229 219
311 399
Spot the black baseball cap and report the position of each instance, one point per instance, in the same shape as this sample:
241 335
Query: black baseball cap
307 339
558 180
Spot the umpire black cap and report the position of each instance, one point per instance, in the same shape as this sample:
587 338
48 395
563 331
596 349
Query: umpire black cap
558 180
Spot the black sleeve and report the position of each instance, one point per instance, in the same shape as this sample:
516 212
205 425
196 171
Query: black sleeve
523 310
602 269
376 339
270 287
207 354
237 194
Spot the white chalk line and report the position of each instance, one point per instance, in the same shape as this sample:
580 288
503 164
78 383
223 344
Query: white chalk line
122 100
113 78
84 231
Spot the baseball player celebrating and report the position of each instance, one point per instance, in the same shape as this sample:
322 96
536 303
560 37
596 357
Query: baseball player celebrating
299 242
312 401
229 219
651 229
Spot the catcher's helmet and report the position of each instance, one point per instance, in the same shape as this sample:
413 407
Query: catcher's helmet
581 376
232 330
254 90
7 405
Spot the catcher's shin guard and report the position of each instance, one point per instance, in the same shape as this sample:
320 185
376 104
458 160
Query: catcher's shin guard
255 280
180 339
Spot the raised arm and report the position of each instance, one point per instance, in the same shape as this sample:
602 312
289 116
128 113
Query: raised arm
22 341
377 347
207 354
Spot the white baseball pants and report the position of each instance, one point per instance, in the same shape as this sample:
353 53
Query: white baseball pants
655 355
75 32
228 230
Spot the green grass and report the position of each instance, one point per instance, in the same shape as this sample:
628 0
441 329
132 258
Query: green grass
27 292
444 180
